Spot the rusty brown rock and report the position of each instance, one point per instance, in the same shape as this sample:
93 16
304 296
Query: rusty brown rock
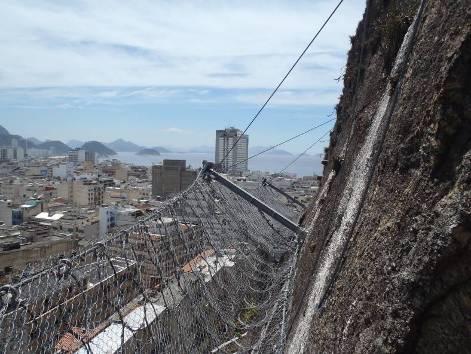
403 284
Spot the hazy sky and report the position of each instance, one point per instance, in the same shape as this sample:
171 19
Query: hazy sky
169 72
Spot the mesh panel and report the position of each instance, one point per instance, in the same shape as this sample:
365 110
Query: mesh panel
207 272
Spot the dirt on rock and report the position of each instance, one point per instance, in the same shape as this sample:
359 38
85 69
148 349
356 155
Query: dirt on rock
401 282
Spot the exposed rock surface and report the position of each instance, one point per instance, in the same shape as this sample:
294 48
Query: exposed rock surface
401 278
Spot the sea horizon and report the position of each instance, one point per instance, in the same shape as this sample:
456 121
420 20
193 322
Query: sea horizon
306 165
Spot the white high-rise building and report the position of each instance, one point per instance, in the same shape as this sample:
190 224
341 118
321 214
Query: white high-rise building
13 152
236 162
78 155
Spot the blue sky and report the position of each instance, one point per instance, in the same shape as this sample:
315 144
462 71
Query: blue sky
169 72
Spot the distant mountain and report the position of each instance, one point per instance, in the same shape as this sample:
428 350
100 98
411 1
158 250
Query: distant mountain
55 147
258 149
34 141
161 149
98 148
3 131
124 146
75 143
8 139
148 152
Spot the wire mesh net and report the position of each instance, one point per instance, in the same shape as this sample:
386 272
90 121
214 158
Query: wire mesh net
207 272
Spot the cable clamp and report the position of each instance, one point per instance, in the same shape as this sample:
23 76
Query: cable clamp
65 266
8 296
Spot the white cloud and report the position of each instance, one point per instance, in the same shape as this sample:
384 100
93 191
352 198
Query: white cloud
241 44
292 98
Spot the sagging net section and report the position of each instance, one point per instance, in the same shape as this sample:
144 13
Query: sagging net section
276 201
206 273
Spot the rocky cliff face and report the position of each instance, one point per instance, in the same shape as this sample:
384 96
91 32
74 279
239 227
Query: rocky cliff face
386 266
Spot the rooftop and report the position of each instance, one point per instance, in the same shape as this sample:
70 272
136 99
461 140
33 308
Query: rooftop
45 216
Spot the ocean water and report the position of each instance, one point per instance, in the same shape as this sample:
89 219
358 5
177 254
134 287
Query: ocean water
305 166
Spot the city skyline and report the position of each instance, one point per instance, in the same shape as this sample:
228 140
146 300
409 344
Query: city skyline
76 144
152 73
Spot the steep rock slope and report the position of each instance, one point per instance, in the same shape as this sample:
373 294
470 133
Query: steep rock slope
386 266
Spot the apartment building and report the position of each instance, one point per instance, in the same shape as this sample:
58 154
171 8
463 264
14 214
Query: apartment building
171 177
111 216
78 156
81 193
231 158
12 152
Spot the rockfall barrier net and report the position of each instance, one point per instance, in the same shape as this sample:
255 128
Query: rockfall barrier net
205 273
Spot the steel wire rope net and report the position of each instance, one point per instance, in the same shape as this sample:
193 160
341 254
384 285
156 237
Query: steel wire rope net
207 272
